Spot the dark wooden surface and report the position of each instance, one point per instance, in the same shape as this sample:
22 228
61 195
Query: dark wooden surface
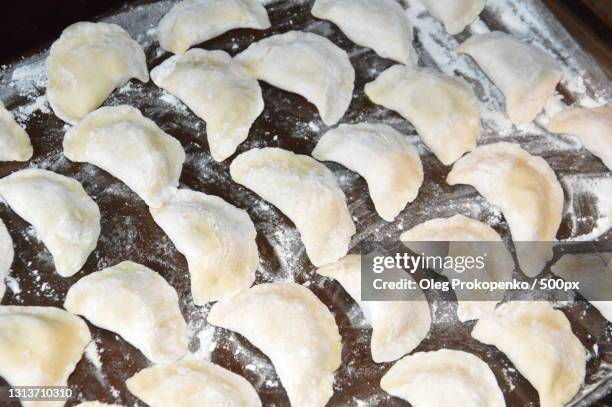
590 23
129 232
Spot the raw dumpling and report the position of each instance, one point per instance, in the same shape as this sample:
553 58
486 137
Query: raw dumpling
191 22
388 31
66 219
96 404
307 64
87 63
443 109
14 141
443 378
217 239
136 303
525 189
455 14
306 192
40 346
384 157
218 90
526 75
540 343
398 326
458 228
6 256
295 330
121 141
593 127
192 384
594 273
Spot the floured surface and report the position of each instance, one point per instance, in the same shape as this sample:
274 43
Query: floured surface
129 233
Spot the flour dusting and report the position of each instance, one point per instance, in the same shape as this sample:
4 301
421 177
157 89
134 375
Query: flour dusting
588 206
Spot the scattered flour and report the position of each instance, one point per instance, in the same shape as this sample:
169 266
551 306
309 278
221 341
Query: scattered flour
22 89
91 352
13 284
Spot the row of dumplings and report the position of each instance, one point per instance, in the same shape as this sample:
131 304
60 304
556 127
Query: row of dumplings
218 239
224 91
121 141
297 333
298 185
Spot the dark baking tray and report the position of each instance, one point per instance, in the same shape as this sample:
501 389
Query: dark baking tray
128 231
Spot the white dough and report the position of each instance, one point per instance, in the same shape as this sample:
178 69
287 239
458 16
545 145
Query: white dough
384 157
66 219
388 31
498 261
525 74
525 189
594 273
307 64
217 239
87 63
443 109
14 141
218 90
136 303
121 141
306 192
592 127
191 22
295 330
192 384
7 253
457 228
540 343
455 14
443 378
397 326
40 346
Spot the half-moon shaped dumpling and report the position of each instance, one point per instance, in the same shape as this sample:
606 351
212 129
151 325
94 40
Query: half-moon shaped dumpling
455 14
218 90
66 219
383 156
306 192
397 326
457 228
191 22
217 239
40 346
307 64
592 127
443 378
121 141
388 31
294 329
6 256
190 384
525 189
14 141
593 271
498 265
525 74
443 109
87 63
136 303
96 404
540 343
